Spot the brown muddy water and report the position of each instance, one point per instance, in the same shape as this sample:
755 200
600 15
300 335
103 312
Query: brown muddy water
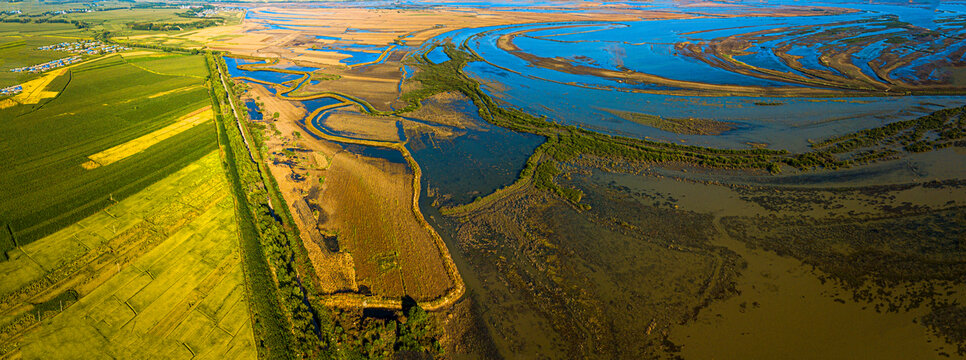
658 266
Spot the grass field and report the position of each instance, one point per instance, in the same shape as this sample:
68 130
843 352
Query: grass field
368 204
159 270
99 105
37 7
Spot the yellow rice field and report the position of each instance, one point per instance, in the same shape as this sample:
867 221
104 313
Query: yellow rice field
135 146
159 270
34 90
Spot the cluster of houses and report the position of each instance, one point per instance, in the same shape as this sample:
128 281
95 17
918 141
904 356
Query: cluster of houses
10 90
79 47
53 64
84 47
208 11
71 11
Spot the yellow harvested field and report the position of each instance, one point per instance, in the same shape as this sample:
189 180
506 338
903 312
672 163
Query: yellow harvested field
135 146
159 270
33 90
358 125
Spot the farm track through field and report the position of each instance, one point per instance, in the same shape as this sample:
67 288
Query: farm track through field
159 73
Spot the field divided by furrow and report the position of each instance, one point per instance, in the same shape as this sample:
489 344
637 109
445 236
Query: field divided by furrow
108 102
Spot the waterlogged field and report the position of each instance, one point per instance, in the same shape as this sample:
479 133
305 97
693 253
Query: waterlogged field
95 106
157 272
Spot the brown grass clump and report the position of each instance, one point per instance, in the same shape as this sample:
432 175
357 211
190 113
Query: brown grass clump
355 124
439 109
336 271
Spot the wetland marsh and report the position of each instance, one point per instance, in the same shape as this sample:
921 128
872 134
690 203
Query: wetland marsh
521 180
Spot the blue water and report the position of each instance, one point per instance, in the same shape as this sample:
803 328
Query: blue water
437 55
489 158
788 126
312 105
358 54
253 112
649 47
270 76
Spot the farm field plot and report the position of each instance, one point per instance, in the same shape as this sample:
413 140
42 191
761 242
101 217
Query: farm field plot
158 270
135 146
18 48
98 105
36 7
119 20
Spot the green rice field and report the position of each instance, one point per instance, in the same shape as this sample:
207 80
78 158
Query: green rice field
100 104
19 43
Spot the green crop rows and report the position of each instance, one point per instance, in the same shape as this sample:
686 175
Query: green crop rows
101 104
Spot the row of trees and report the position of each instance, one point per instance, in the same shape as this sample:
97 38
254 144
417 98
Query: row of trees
153 26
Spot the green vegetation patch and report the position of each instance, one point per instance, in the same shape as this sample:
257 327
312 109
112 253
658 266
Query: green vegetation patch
12 44
7 242
687 126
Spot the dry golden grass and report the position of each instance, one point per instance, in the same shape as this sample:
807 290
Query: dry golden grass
367 202
288 111
354 124
135 146
336 270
